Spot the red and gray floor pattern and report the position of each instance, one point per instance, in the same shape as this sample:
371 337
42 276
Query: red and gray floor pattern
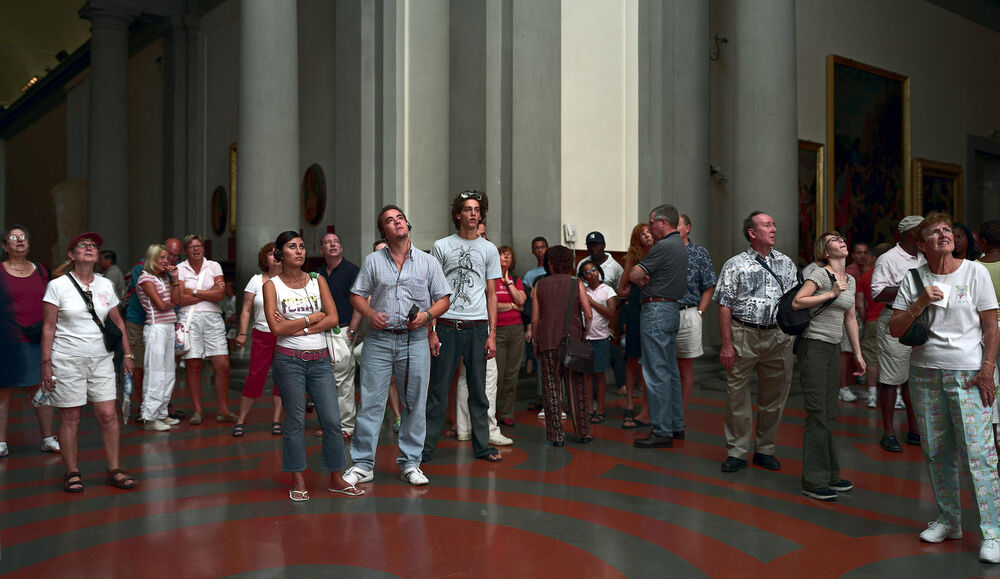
209 505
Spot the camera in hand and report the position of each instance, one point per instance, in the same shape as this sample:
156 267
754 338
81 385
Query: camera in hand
414 310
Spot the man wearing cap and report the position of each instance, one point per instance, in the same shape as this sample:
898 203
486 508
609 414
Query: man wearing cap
595 248
893 357
662 277
749 288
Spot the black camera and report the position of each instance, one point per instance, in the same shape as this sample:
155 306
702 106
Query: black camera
414 310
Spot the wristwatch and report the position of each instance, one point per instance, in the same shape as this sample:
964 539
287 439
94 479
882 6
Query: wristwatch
306 330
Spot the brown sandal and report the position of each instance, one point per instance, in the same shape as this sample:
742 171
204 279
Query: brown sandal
73 486
124 483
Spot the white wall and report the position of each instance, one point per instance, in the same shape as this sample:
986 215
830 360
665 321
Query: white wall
599 116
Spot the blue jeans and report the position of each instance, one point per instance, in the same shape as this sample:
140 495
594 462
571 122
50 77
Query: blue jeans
659 322
470 344
383 356
297 377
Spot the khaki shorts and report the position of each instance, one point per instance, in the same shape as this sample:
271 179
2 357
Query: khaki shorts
893 357
689 334
208 336
82 379
869 345
136 341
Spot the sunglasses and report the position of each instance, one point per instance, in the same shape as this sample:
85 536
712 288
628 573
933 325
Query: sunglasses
17 237
590 271
478 196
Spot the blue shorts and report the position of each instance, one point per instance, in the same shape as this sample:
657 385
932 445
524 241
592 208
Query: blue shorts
602 354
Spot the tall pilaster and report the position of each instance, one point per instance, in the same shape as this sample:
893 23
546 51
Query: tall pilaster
107 151
765 141
268 142
175 127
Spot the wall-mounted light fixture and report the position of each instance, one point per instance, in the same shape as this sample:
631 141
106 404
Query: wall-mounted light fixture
716 172
715 51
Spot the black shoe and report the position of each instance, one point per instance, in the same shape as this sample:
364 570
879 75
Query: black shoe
821 494
890 444
653 441
913 438
766 461
841 486
557 443
733 464
678 435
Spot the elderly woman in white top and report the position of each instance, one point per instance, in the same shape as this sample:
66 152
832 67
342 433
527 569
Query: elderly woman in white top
76 366
954 418
828 292
203 287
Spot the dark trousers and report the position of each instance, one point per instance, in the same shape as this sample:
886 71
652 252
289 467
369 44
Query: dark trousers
819 370
468 344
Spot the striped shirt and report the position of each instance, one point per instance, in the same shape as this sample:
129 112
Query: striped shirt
395 290
153 315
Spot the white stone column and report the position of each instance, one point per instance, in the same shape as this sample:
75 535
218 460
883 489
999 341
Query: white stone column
267 194
107 191
765 165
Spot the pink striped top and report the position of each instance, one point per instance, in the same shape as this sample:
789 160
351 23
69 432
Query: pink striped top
153 315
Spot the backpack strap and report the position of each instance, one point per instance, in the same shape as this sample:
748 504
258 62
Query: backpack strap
763 264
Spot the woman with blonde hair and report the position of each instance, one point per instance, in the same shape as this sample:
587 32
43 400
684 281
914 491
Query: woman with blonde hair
640 242
159 291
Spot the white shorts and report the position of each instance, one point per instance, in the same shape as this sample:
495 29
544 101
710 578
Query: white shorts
82 379
689 334
207 335
893 357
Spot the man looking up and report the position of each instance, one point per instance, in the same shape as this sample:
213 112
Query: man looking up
472 266
750 285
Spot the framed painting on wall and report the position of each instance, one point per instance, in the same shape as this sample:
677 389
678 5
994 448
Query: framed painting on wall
868 150
313 194
218 210
937 187
812 199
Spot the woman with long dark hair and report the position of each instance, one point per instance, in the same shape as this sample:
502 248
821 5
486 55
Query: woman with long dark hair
299 309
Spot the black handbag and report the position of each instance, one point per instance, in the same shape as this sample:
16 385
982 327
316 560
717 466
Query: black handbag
574 353
791 321
112 334
920 329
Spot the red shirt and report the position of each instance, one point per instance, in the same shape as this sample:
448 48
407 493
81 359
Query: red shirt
510 317
872 308
26 295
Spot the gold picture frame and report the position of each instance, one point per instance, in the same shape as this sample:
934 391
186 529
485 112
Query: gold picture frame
812 198
867 150
232 188
937 186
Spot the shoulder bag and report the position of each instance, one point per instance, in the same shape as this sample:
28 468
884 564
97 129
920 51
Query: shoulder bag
574 353
112 334
920 329
182 330
791 321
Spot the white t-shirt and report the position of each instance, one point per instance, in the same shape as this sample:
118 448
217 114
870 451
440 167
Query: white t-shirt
891 266
956 336
612 270
76 333
599 325
295 304
255 287
189 278
467 264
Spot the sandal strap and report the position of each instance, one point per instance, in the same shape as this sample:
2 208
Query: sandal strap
72 474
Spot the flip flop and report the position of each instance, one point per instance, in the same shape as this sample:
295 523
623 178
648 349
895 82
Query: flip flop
597 418
298 496
349 490
238 431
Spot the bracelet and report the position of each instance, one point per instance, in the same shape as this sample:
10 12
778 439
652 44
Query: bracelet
242 334
991 364
434 328
307 321
912 315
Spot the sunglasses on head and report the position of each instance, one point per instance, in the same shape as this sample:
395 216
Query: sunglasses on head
471 195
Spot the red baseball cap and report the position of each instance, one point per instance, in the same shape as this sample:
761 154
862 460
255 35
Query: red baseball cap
88 235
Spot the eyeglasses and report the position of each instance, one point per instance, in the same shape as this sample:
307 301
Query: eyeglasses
17 237
86 245
477 195
833 238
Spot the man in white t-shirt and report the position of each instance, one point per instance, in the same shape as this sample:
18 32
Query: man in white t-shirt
467 331
893 357
595 248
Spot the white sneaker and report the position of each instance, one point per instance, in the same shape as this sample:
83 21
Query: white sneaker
355 475
990 551
501 440
464 436
900 405
50 444
541 414
170 421
156 425
3 449
872 397
414 476
562 416
937 532
846 395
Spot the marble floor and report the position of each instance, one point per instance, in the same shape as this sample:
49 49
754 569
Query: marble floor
209 505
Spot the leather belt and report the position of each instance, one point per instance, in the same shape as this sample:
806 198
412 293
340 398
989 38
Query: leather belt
655 299
680 307
305 355
462 324
755 326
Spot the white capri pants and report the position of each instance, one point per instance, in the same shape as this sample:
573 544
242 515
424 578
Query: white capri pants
159 375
